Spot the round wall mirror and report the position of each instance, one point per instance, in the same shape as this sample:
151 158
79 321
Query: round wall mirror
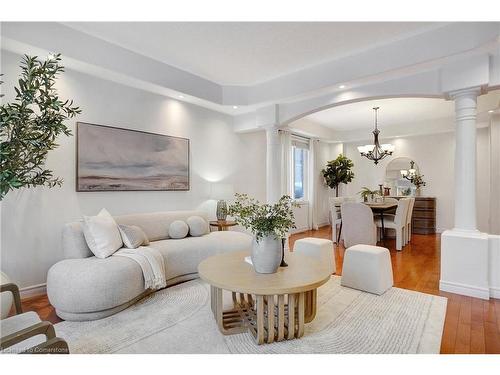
398 174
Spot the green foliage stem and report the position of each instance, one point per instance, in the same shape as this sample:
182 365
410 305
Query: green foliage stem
264 219
30 125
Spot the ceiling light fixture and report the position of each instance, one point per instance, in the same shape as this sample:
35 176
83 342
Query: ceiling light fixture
342 87
376 151
491 111
181 96
235 107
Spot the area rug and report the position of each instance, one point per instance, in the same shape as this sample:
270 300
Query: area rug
179 320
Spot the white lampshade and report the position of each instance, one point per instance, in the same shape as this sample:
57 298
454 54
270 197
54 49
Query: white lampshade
412 172
221 191
404 172
387 147
366 148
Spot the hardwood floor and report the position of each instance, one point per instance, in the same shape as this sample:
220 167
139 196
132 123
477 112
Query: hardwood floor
472 325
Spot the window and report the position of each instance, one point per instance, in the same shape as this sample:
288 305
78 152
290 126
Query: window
300 153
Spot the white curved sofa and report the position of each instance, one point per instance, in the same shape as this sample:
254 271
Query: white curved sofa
83 287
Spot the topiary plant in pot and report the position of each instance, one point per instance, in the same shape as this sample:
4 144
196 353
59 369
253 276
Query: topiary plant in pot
338 172
30 125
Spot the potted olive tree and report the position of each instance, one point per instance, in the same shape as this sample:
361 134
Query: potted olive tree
338 172
30 125
269 223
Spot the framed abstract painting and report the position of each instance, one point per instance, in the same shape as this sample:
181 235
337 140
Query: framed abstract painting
117 159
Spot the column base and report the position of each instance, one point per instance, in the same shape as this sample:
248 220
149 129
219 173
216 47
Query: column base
464 263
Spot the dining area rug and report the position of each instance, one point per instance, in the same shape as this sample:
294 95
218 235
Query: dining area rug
178 319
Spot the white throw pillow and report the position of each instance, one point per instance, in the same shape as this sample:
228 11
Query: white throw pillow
178 229
133 236
102 234
197 226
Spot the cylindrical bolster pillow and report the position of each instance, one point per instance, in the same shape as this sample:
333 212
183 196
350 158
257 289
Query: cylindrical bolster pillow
197 226
178 229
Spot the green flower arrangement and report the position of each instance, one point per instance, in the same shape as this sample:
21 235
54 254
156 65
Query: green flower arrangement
264 219
418 180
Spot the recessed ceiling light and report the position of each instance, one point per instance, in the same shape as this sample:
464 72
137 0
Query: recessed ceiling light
181 96
491 111
235 107
342 87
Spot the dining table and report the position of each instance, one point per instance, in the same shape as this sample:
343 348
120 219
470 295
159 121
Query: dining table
380 208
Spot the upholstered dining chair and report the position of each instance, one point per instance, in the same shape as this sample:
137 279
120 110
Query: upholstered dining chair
397 222
408 221
357 224
335 217
26 332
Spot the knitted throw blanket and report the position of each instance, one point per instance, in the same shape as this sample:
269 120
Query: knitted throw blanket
152 265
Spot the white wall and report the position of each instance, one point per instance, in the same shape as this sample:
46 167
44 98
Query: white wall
434 154
32 219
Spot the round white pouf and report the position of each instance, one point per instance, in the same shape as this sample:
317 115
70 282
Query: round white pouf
6 297
319 248
367 268
178 229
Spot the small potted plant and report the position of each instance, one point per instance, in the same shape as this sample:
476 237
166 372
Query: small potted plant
368 195
269 223
418 181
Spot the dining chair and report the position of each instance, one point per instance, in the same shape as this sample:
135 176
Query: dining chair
357 224
335 217
408 221
397 222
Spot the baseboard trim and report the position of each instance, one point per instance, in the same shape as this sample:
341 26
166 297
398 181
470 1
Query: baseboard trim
464 289
33 290
495 292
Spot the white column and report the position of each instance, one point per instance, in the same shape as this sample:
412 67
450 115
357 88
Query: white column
465 158
464 250
273 164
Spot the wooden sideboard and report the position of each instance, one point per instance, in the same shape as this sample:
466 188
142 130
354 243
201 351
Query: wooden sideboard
423 220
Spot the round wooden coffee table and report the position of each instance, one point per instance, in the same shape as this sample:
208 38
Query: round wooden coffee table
273 307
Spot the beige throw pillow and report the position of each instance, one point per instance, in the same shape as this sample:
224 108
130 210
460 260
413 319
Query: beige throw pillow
133 236
102 234
197 226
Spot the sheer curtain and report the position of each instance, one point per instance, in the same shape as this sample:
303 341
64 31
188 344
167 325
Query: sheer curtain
315 181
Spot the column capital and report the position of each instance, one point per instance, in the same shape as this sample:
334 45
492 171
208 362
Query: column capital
470 92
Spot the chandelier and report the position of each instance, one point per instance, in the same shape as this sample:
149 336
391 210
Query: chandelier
376 151
410 173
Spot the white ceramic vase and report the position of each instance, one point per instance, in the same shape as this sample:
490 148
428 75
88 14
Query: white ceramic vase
266 254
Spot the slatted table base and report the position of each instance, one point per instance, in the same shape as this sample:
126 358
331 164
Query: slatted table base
268 318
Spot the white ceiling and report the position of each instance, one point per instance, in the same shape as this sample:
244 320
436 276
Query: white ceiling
238 53
399 112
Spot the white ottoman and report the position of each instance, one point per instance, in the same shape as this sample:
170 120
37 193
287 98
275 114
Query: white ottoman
318 248
367 268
